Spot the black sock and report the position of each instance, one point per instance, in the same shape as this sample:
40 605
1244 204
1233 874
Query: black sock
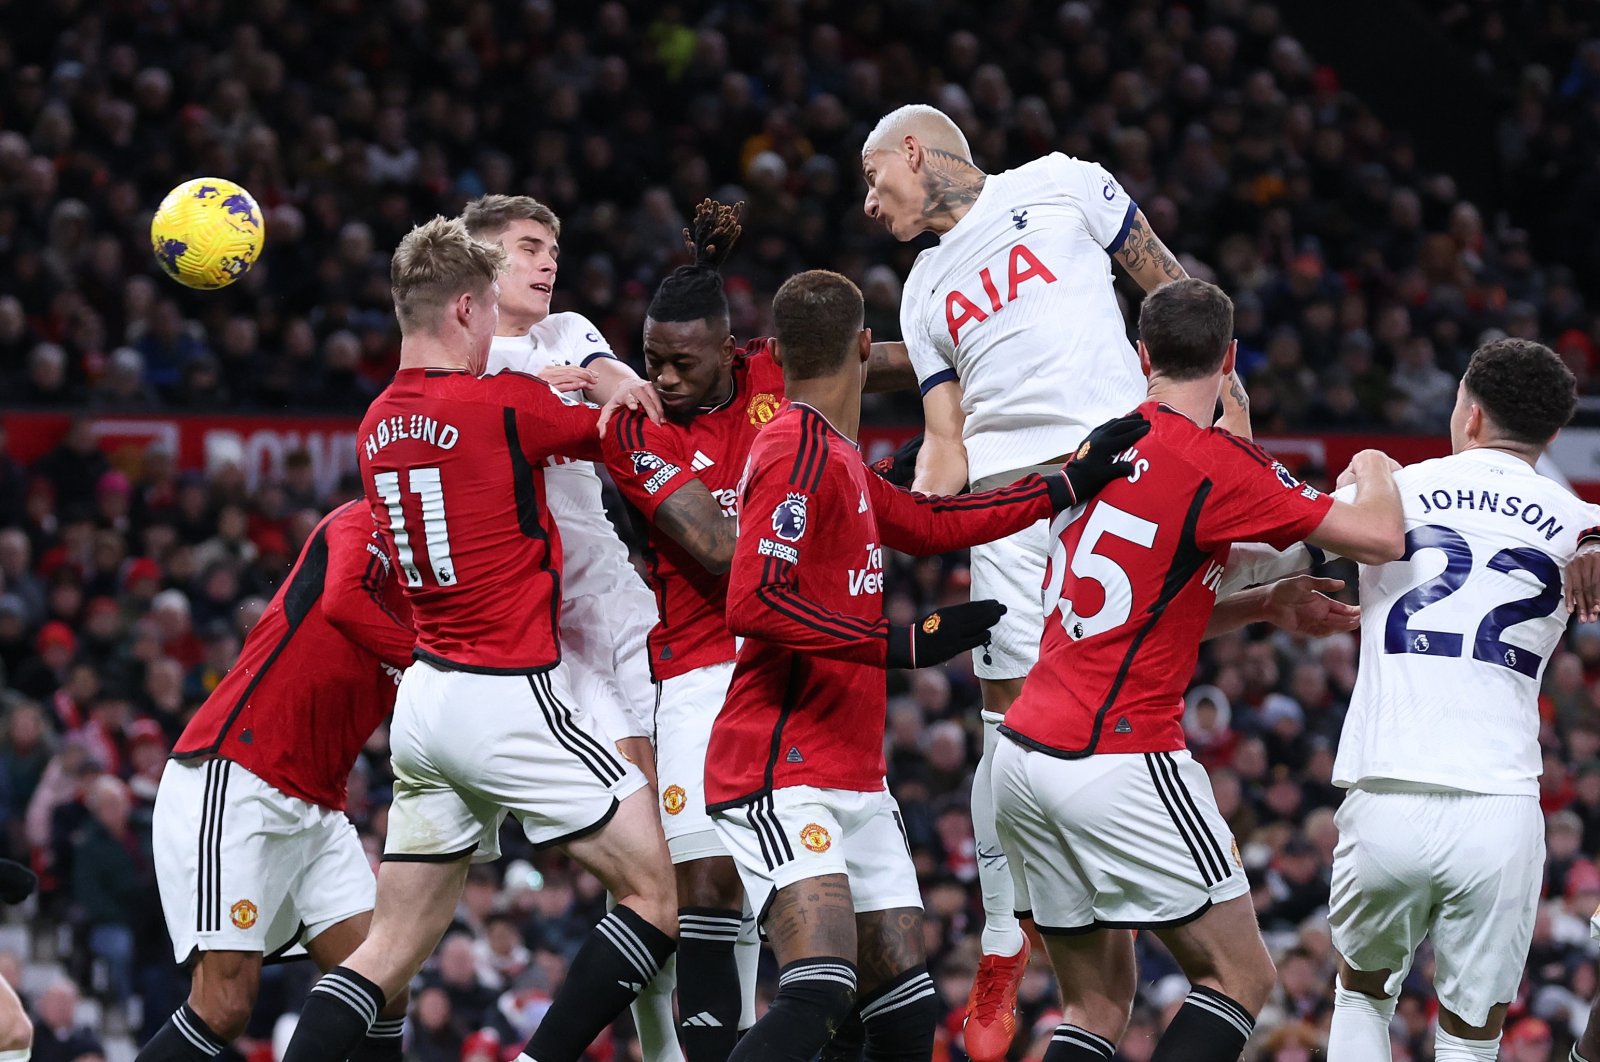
184 1036
1072 1044
848 1040
814 998
708 983
382 1042
338 1012
620 957
1209 1027
900 1018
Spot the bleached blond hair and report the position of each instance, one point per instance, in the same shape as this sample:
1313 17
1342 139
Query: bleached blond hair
436 262
929 124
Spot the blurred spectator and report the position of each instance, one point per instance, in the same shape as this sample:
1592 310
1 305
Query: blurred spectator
57 1034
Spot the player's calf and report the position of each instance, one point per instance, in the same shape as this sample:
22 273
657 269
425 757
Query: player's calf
812 928
218 1008
898 1005
1222 954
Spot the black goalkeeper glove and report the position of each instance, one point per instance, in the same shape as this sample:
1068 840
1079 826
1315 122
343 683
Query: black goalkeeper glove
900 467
1089 470
942 633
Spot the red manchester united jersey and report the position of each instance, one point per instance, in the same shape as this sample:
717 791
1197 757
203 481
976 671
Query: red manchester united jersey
649 462
453 468
806 704
1132 579
318 672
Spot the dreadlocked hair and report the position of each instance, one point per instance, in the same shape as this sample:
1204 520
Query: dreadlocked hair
694 292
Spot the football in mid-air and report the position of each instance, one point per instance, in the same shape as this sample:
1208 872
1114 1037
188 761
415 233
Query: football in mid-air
207 233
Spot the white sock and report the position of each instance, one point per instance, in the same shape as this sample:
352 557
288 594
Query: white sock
16 1056
747 956
1360 1029
1447 1048
1002 933
653 1016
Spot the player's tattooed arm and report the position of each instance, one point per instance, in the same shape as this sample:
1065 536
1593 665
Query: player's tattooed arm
889 944
1235 406
949 183
694 520
813 918
889 368
1146 258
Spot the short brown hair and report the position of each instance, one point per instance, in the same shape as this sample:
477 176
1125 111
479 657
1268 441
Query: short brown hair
817 316
1186 325
435 262
1524 386
489 215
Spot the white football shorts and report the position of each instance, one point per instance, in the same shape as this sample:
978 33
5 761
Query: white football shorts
1120 840
1463 869
686 706
243 866
1011 571
801 832
605 646
468 748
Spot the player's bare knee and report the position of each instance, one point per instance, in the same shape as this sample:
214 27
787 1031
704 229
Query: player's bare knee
712 883
1456 1025
1251 981
1372 983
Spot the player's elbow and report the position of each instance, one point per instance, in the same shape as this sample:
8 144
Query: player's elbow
715 561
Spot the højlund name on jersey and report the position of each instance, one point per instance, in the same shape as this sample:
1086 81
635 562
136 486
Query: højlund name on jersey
412 426
961 309
1490 501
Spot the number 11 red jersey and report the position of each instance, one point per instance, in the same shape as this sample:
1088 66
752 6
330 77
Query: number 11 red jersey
1132 580
452 468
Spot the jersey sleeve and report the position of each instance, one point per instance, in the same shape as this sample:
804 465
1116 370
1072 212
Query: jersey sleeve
928 359
359 597
1106 206
582 340
547 426
764 584
646 460
1254 498
923 526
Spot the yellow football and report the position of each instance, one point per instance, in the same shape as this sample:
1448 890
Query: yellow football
207 233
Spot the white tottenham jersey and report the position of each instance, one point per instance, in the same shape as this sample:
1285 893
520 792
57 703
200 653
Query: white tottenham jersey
1456 634
593 558
1015 304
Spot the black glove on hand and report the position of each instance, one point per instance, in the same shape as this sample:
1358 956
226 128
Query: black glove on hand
942 633
17 882
1094 465
900 467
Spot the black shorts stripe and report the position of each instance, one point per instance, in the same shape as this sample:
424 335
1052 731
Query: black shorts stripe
769 855
588 740
901 824
1210 852
1178 822
202 851
570 737
1211 843
208 916
784 849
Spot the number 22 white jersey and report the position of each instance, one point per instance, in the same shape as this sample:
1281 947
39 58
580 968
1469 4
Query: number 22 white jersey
594 560
1016 304
1456 634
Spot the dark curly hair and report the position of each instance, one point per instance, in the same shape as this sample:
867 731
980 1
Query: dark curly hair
1524 388
694 292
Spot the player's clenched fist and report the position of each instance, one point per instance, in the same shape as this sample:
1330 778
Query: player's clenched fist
1095 464
942 633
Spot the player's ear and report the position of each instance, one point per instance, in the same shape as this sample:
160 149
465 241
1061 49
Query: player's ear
864 345
1231 357
728 347
911 149
777 352
464 309
1144 359
1474 425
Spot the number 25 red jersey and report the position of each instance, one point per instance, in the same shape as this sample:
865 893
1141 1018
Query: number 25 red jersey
452 466
1132 580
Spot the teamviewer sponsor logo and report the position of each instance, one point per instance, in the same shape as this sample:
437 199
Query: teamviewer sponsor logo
868 579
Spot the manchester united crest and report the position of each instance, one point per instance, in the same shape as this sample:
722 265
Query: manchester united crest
931 624
243 914
762 408
816 837
673 798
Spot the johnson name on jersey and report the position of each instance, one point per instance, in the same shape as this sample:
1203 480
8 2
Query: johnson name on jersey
1456 634
1016 304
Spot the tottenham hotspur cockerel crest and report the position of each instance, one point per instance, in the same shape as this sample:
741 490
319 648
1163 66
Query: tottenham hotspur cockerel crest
789 518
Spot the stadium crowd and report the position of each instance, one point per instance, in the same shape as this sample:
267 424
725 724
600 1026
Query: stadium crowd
1361 281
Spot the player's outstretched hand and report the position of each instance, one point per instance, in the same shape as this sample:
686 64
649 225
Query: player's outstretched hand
568 377
1300 605
900 467
942 633
1583 582
633 395
1095 464
1348 476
